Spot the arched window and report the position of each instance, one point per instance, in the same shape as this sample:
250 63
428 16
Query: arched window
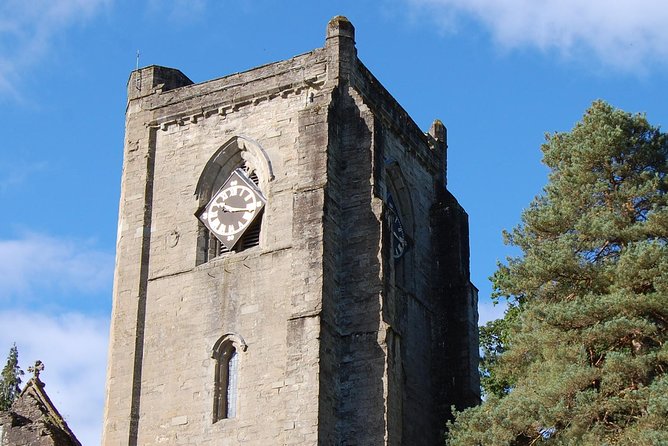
399 211
238 153
226 380
398 199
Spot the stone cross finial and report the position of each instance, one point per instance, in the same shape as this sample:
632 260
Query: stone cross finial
36 369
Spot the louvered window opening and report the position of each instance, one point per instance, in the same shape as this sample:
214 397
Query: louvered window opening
250 238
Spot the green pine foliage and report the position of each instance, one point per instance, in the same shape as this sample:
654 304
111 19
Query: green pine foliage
10 381
493 338
584 357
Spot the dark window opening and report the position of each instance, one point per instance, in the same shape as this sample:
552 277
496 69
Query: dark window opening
227 377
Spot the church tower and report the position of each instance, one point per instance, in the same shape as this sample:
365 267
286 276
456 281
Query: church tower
291 268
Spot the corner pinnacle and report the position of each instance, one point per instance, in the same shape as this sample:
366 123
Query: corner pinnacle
340 26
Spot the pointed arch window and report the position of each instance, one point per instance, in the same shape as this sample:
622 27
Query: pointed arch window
400 223
226 380
237 153
399 206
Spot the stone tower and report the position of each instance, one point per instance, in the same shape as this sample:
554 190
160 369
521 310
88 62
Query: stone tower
291 269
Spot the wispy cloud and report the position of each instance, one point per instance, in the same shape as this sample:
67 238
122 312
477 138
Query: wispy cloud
36 262
626 35
73 348
27 29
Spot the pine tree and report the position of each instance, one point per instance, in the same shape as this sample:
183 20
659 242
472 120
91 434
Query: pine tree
493 338
10 381
586 355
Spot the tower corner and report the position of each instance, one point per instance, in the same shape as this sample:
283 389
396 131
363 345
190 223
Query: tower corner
340 44
155 79
438 138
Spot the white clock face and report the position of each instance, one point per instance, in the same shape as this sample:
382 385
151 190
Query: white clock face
233 208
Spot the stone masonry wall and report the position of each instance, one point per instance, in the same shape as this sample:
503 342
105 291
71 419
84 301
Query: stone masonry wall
345 345
171 134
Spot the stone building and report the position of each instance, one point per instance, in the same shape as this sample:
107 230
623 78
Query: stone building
291 268
33 420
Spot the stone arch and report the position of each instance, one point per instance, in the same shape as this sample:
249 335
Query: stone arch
237 151
229 338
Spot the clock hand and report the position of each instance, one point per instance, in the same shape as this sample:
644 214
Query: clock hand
233 209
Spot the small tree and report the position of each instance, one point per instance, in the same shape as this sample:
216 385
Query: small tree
10 381
584 353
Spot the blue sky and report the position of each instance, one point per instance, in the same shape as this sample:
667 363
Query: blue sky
498 73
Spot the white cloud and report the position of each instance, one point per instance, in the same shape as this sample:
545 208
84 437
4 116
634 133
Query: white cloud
487 311
36 262
73 348
628 35
27 29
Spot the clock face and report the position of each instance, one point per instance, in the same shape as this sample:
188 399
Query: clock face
399 240
233 208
